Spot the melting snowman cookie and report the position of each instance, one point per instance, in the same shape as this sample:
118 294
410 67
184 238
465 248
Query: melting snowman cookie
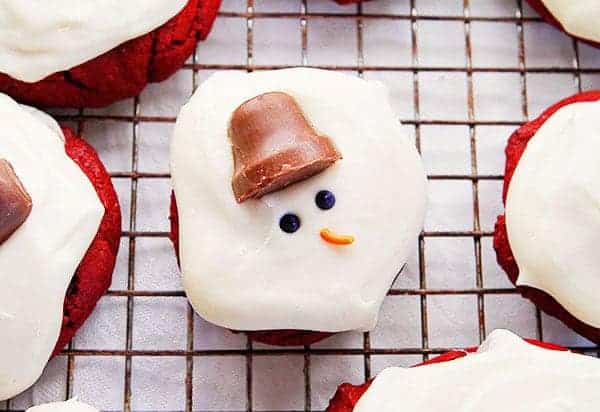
59 220
299 200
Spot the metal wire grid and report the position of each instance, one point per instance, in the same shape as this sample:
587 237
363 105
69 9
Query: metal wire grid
131 233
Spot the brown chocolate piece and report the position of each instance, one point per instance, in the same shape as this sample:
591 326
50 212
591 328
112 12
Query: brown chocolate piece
275 146
15 202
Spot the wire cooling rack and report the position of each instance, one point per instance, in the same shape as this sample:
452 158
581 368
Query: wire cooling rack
463 75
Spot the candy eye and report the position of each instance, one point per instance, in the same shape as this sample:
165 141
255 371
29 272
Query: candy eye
325 200
289 223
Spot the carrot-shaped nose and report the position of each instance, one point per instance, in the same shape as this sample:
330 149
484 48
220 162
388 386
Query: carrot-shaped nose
331 237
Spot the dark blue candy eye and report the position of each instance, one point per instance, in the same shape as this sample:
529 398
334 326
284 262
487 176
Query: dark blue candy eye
325 200
289 223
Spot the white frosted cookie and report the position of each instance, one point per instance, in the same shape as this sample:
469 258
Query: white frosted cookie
553 210
38 260
241 270
41 37
505 374
71 405
579 18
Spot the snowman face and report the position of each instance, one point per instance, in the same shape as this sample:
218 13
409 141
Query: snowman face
324 200
319 254
40 38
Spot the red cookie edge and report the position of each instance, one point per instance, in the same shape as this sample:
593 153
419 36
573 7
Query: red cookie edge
284 337
125 70
348 395
94 274
543 11
517 143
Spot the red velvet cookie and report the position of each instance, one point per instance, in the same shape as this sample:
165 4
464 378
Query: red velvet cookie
269 337
539 6
94 274
348 395
124 71
284 243
514 150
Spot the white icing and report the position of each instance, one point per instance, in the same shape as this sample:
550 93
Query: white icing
41 37
38 261
239 269
71 405
579 18
553 210
506 374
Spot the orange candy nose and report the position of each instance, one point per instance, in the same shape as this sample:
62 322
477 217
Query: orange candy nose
335 239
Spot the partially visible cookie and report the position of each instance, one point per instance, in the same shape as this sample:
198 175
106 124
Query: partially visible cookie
564 210
60 222
116 74
577 18
504 372
71 405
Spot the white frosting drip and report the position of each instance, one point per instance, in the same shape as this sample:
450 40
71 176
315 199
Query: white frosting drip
553 210
578 17
41 37
240 270
38 261
506 374
71 405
